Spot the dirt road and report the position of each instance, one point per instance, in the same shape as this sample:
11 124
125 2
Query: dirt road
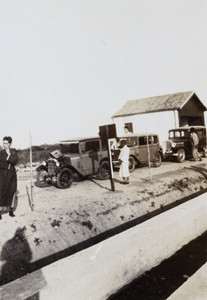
66 221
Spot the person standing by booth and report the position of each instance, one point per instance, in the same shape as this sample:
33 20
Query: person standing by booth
124 160
126 130
8 177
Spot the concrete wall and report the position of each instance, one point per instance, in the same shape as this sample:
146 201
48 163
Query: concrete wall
99 271
158 123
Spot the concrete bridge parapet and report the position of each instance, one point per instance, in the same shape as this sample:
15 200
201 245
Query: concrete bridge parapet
100 270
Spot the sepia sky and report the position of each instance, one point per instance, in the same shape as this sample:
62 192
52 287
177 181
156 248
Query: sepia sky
66 66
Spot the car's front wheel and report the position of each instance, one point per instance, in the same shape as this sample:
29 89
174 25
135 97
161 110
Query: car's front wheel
104 170
41 181
181 155
65 178
157 160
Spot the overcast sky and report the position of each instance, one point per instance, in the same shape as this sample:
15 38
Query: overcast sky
66 66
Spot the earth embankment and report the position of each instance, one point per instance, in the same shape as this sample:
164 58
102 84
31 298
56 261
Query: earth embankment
67 221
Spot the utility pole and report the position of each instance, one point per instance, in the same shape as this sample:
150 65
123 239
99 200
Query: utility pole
106 133
31 175
148 151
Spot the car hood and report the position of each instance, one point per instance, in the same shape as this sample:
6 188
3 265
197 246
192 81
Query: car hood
72 155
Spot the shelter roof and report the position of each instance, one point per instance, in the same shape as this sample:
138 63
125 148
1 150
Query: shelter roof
155 104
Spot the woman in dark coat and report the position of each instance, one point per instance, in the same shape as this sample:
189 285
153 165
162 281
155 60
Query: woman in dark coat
8 177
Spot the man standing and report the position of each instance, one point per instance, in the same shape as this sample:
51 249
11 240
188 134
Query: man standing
124 160
194 143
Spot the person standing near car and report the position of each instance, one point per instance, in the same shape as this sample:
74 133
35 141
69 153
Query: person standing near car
124 160
194 143
8 177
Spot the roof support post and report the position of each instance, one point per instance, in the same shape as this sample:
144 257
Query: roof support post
176 120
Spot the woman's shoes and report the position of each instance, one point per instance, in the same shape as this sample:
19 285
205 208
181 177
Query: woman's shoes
11 214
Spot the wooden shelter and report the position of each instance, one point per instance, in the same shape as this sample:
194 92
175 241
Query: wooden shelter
161 113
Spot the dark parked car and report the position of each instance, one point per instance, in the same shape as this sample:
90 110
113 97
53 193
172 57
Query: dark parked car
142 147
179 145
84 157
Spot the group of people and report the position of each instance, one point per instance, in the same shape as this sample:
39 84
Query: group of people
8 178
123 157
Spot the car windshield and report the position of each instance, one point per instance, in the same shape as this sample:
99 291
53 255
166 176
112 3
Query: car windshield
178 134
69 148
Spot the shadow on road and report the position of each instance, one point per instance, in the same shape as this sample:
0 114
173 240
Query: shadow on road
17 255
201 170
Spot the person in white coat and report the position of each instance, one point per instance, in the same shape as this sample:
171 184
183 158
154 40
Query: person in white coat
124 161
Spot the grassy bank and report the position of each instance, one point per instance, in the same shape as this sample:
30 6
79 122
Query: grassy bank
39 153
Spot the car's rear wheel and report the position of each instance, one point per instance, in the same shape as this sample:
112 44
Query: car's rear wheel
104 170
132 164
42 175
65 178
157 160
181 155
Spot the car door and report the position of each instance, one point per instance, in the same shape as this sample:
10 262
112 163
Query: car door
89 156
143 151
154 146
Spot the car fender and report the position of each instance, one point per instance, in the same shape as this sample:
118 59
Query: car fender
161 152
103 159
175 150
136 159
74 170
41 167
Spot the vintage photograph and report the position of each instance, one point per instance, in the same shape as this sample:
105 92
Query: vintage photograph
103 150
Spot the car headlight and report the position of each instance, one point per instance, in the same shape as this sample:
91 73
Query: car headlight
44 163
173 145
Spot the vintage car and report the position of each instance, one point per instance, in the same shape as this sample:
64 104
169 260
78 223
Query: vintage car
144 148
82 157
179 145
